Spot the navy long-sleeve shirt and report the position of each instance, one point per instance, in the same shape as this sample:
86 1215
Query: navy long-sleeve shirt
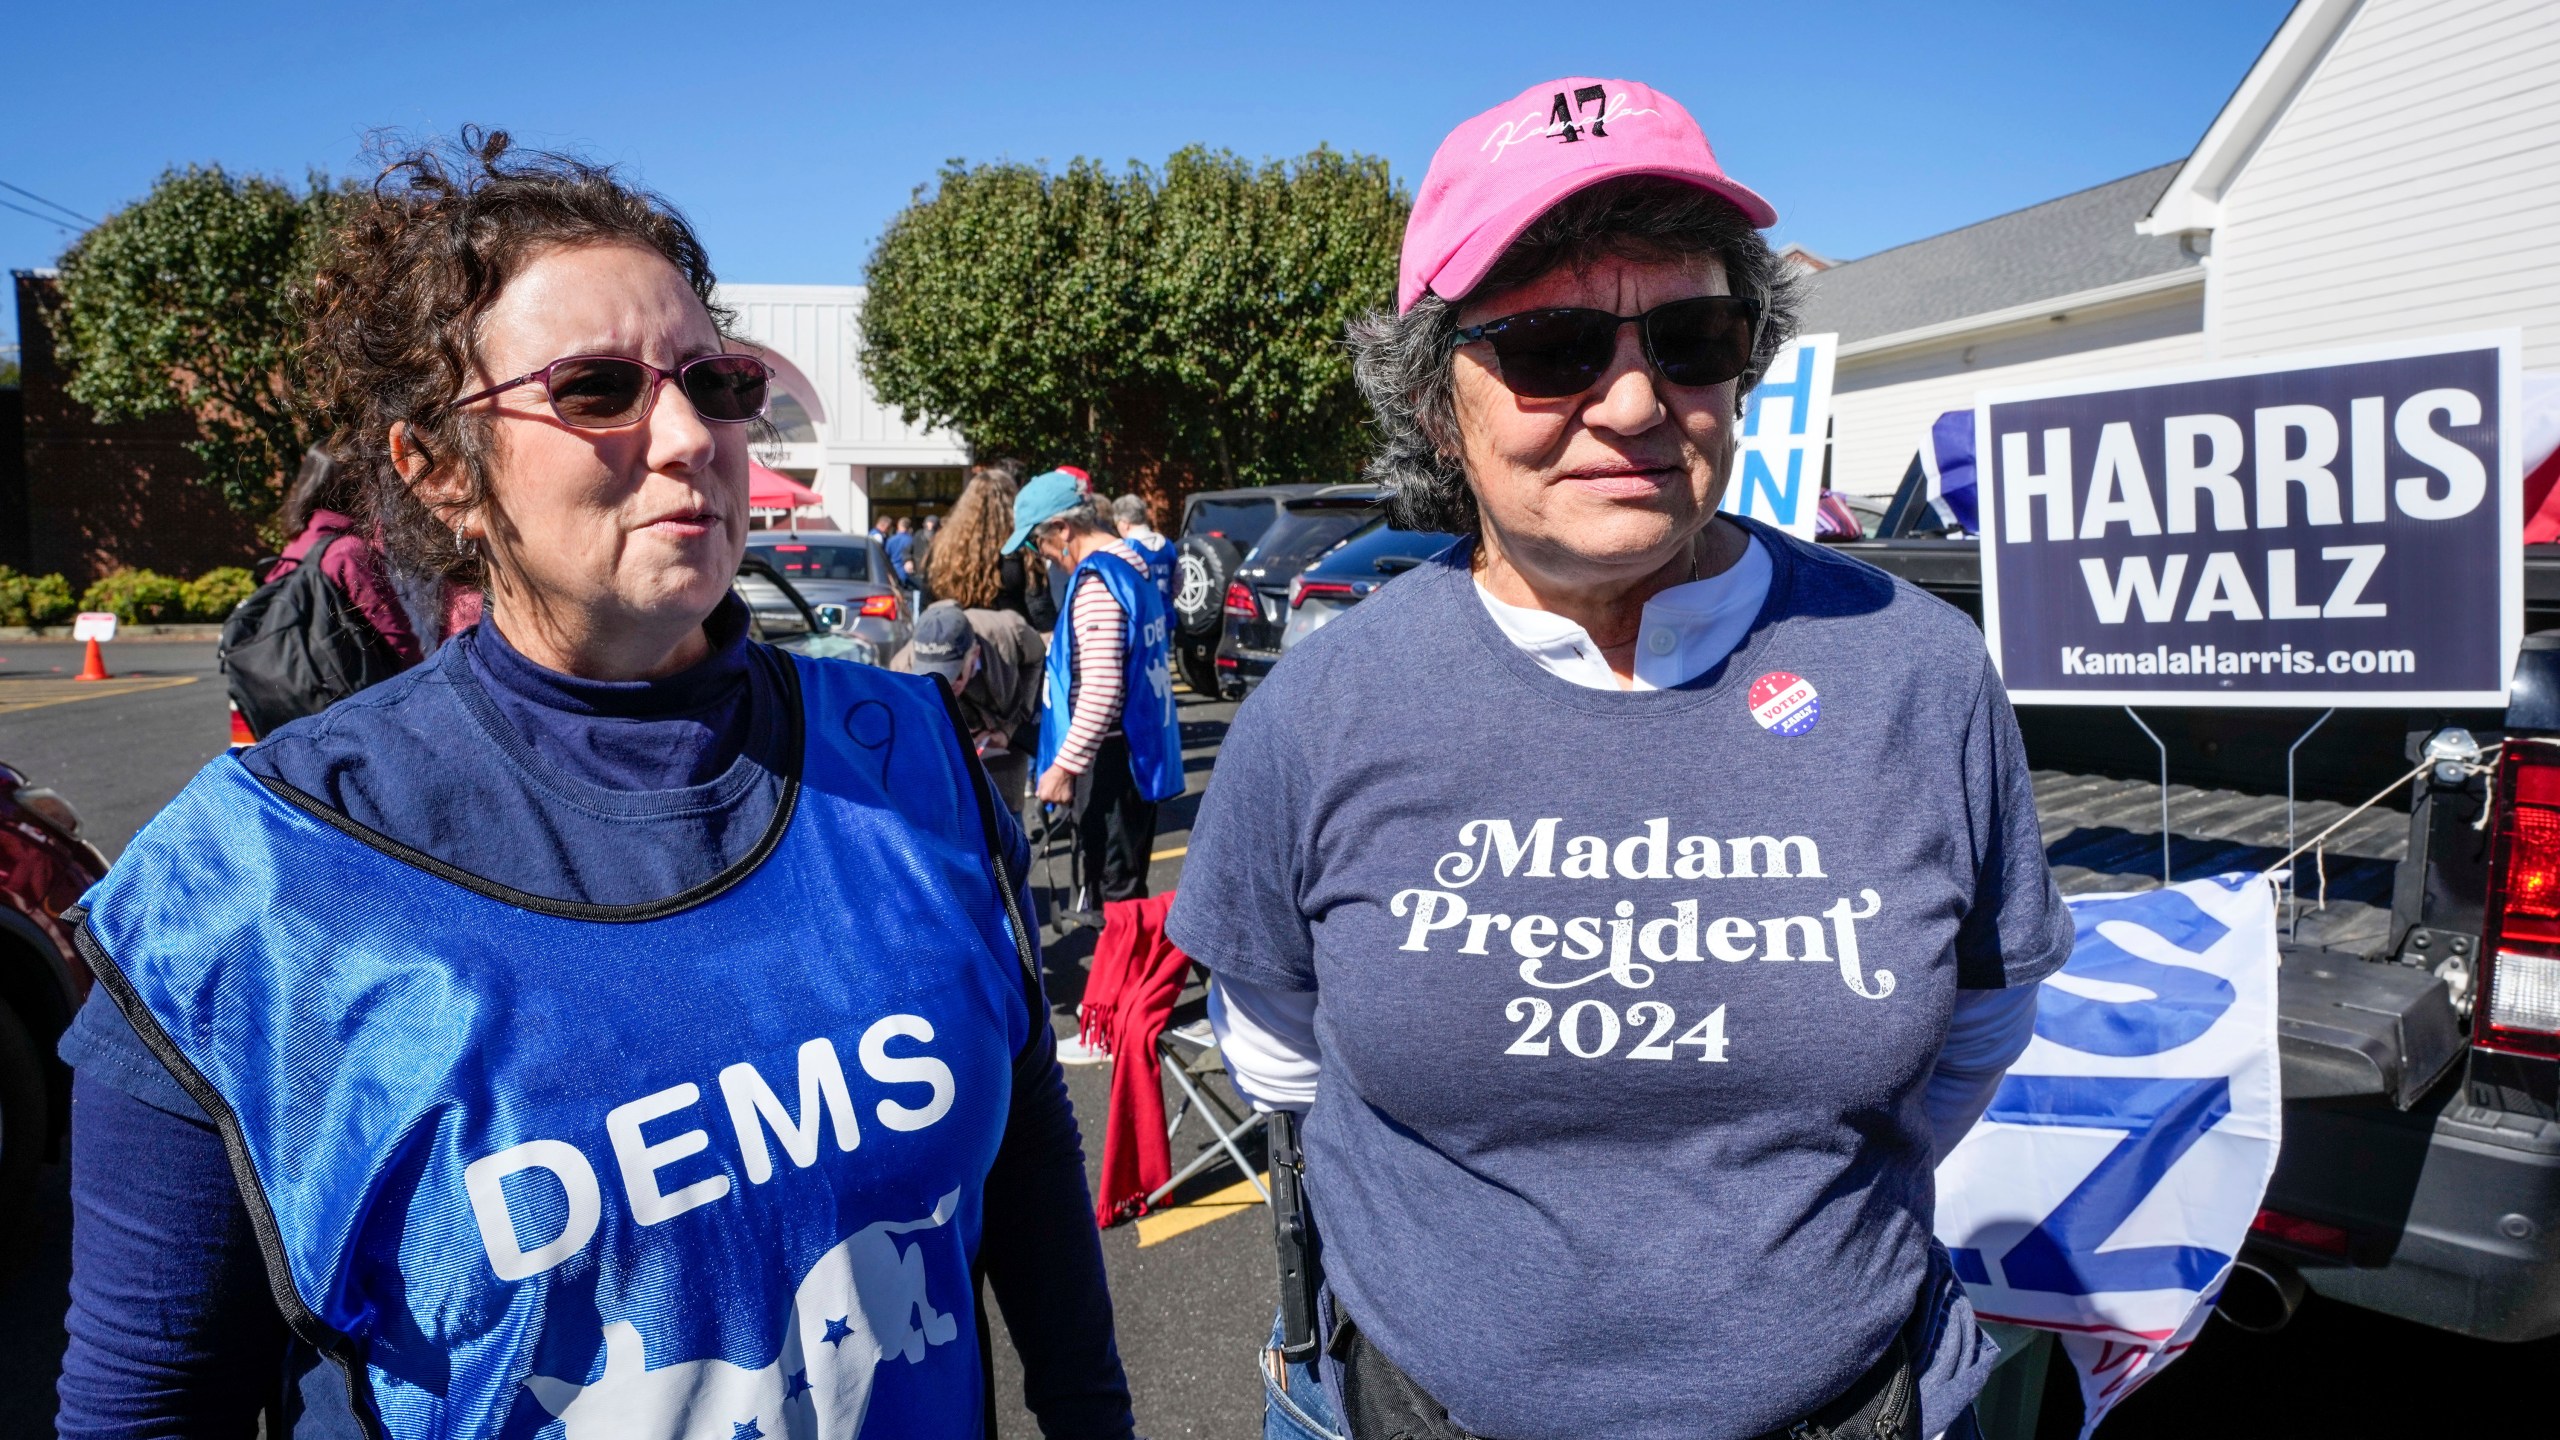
600 792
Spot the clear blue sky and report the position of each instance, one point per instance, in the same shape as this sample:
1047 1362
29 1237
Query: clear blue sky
791 132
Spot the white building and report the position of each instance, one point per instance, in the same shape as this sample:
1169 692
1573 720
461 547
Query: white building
833 436
2388 169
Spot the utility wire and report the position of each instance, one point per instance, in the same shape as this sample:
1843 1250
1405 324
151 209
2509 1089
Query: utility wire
55 221
57 205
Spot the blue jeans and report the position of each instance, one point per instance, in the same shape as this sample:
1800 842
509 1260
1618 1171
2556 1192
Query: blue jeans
1301 1410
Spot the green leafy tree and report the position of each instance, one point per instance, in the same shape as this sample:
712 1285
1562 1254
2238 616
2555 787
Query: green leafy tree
1166 328
186 300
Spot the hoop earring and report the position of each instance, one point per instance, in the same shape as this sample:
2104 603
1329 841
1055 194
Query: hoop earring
461 541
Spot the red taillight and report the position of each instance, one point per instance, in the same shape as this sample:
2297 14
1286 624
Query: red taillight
1229 662
2515 996
240 729
1240 601
880 607
1302 587
2299 1233
792 549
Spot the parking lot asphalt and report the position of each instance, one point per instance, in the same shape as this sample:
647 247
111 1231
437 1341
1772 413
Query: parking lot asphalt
1194 1304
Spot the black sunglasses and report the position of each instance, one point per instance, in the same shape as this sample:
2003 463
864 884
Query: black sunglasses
1548 354
606 392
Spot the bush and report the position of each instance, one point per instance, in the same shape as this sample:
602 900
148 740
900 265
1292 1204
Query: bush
33 599
138 597
213 594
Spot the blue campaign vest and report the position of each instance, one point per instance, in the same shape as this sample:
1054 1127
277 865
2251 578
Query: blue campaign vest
1146 707
1157 551
709 1167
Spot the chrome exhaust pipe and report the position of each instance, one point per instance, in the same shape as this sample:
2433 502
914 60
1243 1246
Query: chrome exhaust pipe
2260 1295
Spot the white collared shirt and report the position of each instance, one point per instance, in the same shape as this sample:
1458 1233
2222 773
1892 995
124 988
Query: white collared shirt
1687 629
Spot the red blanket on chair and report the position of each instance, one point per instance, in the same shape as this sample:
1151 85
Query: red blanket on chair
1137 975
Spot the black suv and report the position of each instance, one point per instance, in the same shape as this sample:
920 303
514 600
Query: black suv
1256 603
1218 528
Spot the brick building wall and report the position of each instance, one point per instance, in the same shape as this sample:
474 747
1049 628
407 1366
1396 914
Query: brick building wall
13 479
105 497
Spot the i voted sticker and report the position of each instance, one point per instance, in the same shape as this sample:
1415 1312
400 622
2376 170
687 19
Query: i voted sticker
1784 704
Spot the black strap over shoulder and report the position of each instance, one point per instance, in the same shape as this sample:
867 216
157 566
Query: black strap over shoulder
983 787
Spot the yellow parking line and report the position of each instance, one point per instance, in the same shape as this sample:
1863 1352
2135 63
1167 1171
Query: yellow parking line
1218 1205
1176 853
33 693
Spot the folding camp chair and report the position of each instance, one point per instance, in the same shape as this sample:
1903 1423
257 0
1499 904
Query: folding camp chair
1190 1055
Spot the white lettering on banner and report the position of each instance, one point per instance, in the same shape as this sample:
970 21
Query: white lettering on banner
2119 492
825 1102
2295 451
2222 587
2214 660
2212 475
2024 485
2466 479
2278 468
2114 1176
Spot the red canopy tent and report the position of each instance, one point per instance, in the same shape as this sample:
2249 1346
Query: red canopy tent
773 490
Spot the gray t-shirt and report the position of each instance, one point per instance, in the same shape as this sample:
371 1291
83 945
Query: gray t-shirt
1627 998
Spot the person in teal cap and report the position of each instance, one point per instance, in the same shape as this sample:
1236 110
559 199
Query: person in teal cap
1109 745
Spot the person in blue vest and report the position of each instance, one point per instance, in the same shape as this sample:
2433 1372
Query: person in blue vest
1129 513
1109 744
611 1027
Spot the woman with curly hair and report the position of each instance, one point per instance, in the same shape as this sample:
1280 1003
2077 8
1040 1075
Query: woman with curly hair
964 565
611 1020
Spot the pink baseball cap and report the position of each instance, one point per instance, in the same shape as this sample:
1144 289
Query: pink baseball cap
1500 171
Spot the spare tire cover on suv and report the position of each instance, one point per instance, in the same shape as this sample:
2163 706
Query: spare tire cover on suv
1201 572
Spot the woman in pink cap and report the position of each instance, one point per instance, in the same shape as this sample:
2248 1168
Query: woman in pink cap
1635 900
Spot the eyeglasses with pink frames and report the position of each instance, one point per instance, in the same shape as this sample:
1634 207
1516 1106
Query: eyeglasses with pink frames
607 392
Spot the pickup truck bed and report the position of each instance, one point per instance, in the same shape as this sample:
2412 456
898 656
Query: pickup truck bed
2103 834
2418 1177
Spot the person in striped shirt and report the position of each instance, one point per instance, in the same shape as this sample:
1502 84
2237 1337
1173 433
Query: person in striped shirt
1086 741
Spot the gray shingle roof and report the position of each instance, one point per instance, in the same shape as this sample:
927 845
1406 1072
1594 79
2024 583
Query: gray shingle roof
2061 247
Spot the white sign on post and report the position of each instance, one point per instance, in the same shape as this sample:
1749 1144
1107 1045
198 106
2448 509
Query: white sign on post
2340 528
94 625
1786 429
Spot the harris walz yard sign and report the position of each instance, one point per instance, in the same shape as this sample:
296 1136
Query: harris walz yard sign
2334 529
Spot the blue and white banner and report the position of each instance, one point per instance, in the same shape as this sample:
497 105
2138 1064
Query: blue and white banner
1786 432
2110 1185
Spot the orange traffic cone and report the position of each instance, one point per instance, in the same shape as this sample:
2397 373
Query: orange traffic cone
94 666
